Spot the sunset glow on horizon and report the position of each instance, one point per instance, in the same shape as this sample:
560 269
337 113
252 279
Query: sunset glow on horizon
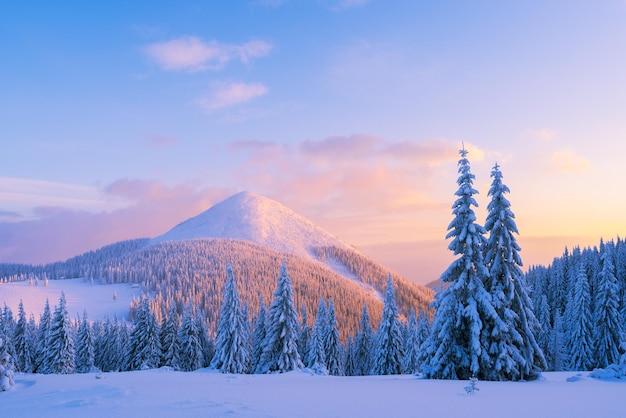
121 120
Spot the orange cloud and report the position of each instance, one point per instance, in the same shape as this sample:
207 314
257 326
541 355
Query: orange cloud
568 161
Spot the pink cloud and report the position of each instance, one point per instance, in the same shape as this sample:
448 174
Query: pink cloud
190 53
225 95
344 183
62 233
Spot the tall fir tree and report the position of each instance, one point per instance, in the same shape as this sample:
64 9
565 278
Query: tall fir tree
513 349
304 340
169 339
608 327
389 351
84 347
260 332
316 359
145 342
61 352
411 346
455 348
280 353
364 345
20 340
191 355
579 339
231 343
332 346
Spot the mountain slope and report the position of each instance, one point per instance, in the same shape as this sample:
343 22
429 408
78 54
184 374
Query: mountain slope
254 234
251 217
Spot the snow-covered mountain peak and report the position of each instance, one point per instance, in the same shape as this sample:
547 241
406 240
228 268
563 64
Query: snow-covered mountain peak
252 217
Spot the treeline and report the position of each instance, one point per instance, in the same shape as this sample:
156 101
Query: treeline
181 273
274 339
580 301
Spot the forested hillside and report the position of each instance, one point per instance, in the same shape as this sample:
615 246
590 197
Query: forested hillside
193 271
580 300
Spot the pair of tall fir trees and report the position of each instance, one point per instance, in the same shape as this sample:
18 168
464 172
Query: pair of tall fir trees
484 325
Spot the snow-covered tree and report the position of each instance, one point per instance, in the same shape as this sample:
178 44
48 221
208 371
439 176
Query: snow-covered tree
556 354
61 350
389 351
304 341
231 344
411 346
84 347
20 341
145 343
608 327
364 345
6 366
579 339
316 359
280 353
455 348
169 339
332 346
190 342
7 330
45 320
207 343
510 340
260 331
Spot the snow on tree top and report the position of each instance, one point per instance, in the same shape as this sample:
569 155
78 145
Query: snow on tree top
251 217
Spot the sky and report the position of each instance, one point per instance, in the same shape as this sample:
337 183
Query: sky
121 119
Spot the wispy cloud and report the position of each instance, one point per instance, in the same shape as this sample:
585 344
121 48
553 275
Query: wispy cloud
24 194
59 233
568 161
225 95
190 53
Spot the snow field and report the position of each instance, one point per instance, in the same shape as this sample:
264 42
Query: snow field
208 393
80 294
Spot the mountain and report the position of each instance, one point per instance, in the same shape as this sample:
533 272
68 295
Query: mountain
255 235
250 217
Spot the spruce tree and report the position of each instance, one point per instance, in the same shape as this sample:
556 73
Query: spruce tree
169 339
411 346
316 359
389 351
332 346
190 342
7 330
364 345
145 343
20 340
608 328
231 344
579 339
84 347
304 341
260 331
61 351
280 353
513 349
455 348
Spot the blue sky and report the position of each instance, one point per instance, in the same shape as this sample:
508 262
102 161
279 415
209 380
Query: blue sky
120 119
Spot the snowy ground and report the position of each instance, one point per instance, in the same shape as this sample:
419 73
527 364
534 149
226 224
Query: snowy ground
164 393
80 294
